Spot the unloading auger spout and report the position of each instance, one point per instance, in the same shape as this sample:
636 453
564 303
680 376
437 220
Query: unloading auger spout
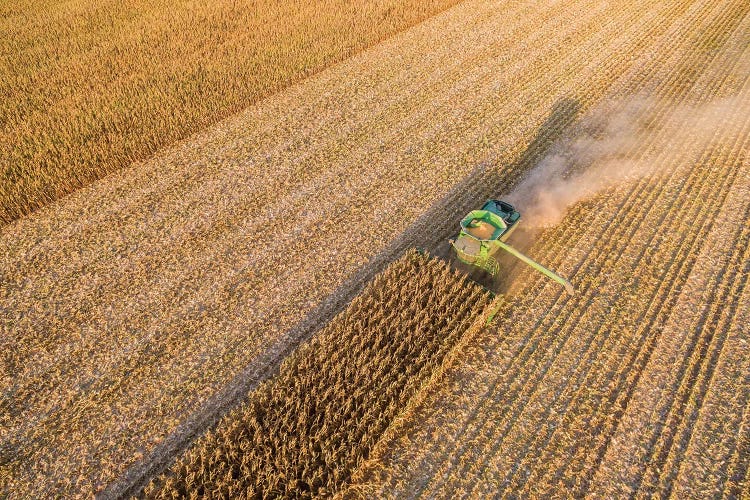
484 232
536 265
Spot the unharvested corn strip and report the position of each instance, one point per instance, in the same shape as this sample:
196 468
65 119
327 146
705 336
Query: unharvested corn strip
304 432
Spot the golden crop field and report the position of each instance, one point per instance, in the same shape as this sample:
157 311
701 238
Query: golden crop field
639 385
146 317
307 429
88 87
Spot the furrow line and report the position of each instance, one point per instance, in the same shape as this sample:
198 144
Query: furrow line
644 325
705 350
521 362
511 419
622 385
687 427
632 377
585 366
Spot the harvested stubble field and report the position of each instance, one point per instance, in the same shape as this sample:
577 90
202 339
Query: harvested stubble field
639 385
306 430
128 304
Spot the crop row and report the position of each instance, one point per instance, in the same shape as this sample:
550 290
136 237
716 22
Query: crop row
631 317
81 99
160 273
303 432
686 353
547 418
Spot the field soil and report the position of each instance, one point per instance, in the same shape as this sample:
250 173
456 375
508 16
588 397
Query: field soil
129 305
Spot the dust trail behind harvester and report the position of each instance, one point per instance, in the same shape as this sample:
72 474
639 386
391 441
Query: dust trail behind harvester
598 153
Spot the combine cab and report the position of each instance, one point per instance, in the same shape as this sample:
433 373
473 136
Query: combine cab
484 232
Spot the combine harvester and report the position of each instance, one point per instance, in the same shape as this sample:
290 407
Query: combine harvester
484 232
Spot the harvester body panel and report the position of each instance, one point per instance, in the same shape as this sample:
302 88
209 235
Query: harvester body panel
483 232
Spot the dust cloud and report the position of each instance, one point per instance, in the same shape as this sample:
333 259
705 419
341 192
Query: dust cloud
598 153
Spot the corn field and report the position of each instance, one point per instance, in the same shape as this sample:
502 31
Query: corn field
90 87
133 307
638 385
306 430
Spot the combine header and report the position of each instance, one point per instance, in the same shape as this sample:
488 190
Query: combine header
484 232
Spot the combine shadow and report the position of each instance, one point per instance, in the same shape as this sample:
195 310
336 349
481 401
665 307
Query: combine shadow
487 182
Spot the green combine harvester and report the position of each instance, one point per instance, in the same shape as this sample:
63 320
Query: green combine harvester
484 232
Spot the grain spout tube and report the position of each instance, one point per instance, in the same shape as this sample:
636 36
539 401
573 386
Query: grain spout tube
304 432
